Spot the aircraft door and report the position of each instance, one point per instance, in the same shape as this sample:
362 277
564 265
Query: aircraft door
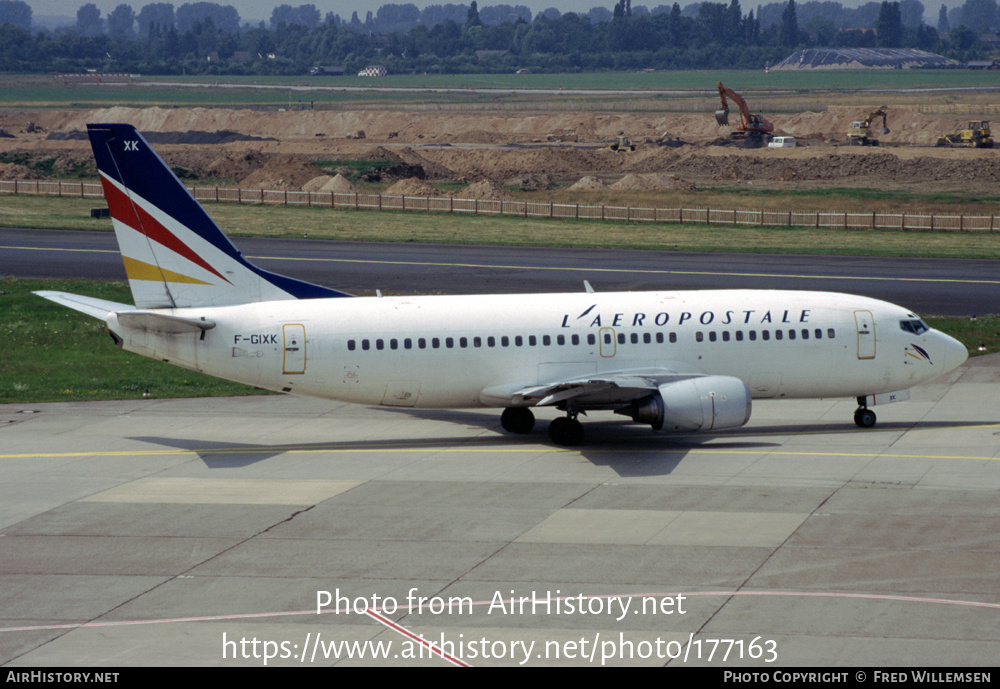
608 343
295 348
866 334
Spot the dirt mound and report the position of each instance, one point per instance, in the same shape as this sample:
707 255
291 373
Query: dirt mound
316 183
236 165
339 184
432 169
380 153
587 183
15 171
650 181
412 187
530 182
282 172
484 189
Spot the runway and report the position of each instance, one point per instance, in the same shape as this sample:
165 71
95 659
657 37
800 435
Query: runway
203 531
932 287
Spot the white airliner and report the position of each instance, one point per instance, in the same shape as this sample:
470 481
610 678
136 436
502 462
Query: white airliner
677 361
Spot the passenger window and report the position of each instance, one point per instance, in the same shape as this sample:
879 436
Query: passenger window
805 334
778 334
830 333
408 343
712 336
739 335
753 335
673 337
532 340
546 340
393 344
659 338
575 339
621 338
518 341
491 341
791 335
818 334
365 345
463 342
699 336
591 339
435 343
422 343
350 345
379 344
560 339
477 342
725 336
449 342
504 341
765 334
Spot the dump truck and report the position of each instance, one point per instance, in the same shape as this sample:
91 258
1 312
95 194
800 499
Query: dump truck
860 133
977 135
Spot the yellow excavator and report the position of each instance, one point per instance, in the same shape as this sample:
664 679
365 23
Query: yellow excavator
978 135
860 133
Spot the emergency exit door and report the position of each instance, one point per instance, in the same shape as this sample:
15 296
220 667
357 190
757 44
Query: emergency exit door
295 348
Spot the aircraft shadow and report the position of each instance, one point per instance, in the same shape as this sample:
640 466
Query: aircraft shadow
629 449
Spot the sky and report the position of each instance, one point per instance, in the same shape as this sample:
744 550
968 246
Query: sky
255 10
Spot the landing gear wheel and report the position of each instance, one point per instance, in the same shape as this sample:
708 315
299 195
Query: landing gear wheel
566 431
864 418
517 420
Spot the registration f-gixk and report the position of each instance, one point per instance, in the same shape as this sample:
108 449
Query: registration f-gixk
677 361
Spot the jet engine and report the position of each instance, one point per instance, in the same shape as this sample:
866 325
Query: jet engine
705 403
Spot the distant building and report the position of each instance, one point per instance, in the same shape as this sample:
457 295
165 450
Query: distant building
864 58
373 71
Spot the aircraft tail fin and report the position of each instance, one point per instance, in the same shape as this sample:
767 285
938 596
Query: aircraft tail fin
174 253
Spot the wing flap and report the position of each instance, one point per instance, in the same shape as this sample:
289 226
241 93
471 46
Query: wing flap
595 391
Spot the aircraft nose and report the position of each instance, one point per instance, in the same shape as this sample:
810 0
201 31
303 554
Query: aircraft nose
953 352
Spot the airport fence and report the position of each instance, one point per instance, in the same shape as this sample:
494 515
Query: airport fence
538 209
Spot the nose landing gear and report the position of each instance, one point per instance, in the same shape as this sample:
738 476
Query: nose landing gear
864 417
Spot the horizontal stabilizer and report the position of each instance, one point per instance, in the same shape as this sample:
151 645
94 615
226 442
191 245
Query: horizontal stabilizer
98 308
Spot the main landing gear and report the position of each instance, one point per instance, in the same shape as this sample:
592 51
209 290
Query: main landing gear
565 430
864 417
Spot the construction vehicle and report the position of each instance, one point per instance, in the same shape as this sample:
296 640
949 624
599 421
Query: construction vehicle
860 133
978 135
753 129
621 144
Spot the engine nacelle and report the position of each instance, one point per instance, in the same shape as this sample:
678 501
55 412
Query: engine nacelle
695 404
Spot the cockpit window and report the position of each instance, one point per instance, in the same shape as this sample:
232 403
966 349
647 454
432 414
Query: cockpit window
916 326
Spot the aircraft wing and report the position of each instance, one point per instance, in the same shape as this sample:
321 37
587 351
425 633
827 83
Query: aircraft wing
599 390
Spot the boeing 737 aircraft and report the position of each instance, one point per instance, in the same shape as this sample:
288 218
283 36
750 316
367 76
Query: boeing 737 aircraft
677 361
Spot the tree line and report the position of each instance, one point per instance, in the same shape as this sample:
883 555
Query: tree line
210 38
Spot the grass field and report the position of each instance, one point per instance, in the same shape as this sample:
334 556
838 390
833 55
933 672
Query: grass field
666 91
53 354
373 226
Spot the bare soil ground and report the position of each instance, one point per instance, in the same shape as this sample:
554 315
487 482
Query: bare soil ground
471 147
